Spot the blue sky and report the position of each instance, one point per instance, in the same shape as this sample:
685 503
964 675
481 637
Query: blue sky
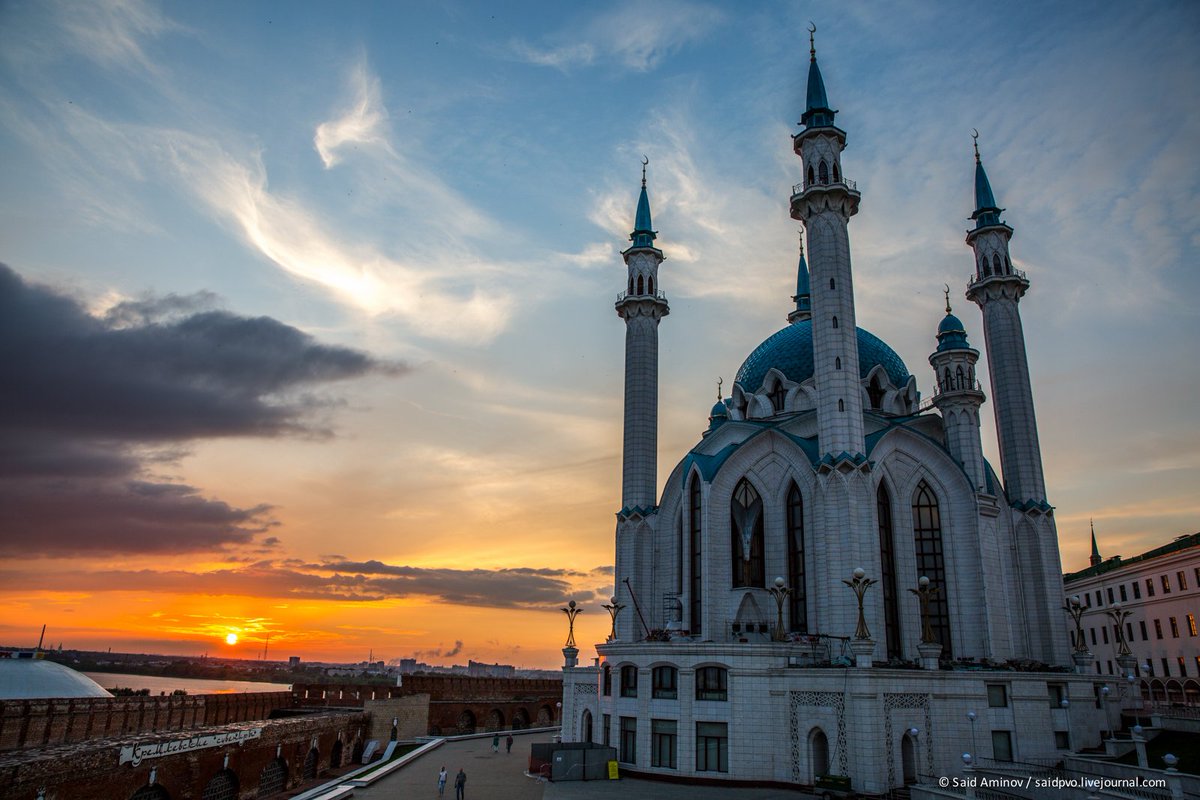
438 196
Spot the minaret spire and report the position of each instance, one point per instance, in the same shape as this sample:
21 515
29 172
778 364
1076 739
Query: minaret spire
803 296
1095 559
642 305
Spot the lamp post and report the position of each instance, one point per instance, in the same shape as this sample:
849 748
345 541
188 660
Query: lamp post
859 585
972 716
1139 744
571 652
967 760
1066 705
613 608
780 592
1074 607
915 734
1104 690
925 592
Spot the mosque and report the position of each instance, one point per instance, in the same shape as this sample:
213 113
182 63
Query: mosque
835 586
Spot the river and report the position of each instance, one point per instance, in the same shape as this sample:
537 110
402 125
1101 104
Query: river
166 685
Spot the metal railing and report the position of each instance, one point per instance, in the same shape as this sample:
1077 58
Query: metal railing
799 188
1016 273
659 295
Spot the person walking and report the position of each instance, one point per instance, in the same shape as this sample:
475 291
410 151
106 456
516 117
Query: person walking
496 742
442 781
508 744
460 785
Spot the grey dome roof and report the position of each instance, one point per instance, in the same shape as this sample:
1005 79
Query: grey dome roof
28 678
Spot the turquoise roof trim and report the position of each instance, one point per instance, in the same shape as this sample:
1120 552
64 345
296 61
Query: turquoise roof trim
790 351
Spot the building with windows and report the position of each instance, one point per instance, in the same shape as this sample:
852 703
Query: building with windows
1160 591
745 652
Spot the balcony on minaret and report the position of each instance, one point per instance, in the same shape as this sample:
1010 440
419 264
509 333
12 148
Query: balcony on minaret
834 188
1006 275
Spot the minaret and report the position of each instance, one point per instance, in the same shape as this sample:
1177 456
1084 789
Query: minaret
1095 559
803 296
824 202
998 288
958 396
642 305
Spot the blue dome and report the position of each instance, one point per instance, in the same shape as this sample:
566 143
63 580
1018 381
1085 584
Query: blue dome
950 324
951 334
791 352
719 410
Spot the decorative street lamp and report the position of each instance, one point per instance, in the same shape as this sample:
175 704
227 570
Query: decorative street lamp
1104 690
1118 616
972 716
613 608
925 592
1075 609
859 585
780 593
915 734
571 611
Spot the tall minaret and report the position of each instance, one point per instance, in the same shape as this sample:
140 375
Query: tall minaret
997 288
958 396
1095 558
642 305
824 202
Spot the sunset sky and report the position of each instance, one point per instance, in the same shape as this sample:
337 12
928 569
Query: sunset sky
306 323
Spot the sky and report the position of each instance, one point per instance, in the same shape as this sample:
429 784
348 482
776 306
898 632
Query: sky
306 324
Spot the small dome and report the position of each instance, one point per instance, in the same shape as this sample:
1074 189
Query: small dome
719 410
791 352
28 678
951 334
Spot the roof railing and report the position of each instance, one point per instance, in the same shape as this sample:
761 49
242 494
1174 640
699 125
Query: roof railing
659 295
846 182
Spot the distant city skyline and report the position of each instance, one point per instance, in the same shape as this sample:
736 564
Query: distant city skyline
309 308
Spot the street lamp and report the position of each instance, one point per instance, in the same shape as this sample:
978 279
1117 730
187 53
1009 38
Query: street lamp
972 716
913 732
1075 608
1104 690
859 585
780 592
925 593
1066 704
613 609
572 612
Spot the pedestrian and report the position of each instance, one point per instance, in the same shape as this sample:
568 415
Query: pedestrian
508 744
460 785
495 742
442 781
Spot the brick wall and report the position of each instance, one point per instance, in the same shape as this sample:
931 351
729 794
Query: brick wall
41 723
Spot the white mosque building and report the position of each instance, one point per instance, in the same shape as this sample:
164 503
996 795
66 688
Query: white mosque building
741 653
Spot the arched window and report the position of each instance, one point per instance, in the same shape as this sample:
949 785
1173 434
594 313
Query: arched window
629 676
274 777
887 559
927 536
606 681
641 285
223 786
664 683
946 385
823 172
746 536
795 529
810 176
960 382
778 398
841 405
712 683
335 755
837 178
631 284
875 392
679 557
983 266
996 263
831 284
837 362
151 792
1008 265
835 322
697 577
650 284
310 765
818 747
585 726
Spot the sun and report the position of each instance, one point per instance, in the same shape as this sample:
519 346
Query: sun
231 638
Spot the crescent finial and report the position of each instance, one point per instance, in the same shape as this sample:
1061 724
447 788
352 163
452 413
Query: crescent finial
975 136
947 297
812 47
645 161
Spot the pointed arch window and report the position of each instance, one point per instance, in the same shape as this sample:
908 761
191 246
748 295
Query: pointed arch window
823 172
927 536
798 609
996 264
831 284
835 322
697 577
837 362
746 536
650 284
778 397
875 392
946 385
887 560
1008 265
960 381
631 284
841 405
811 180
983 265
837 178
641 285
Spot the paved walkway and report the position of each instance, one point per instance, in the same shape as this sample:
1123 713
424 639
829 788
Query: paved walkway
632 789
490 776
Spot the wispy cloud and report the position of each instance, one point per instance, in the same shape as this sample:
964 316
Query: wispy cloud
636 36
363 123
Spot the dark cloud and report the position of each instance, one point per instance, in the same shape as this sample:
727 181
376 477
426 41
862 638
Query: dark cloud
90 406
284 579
